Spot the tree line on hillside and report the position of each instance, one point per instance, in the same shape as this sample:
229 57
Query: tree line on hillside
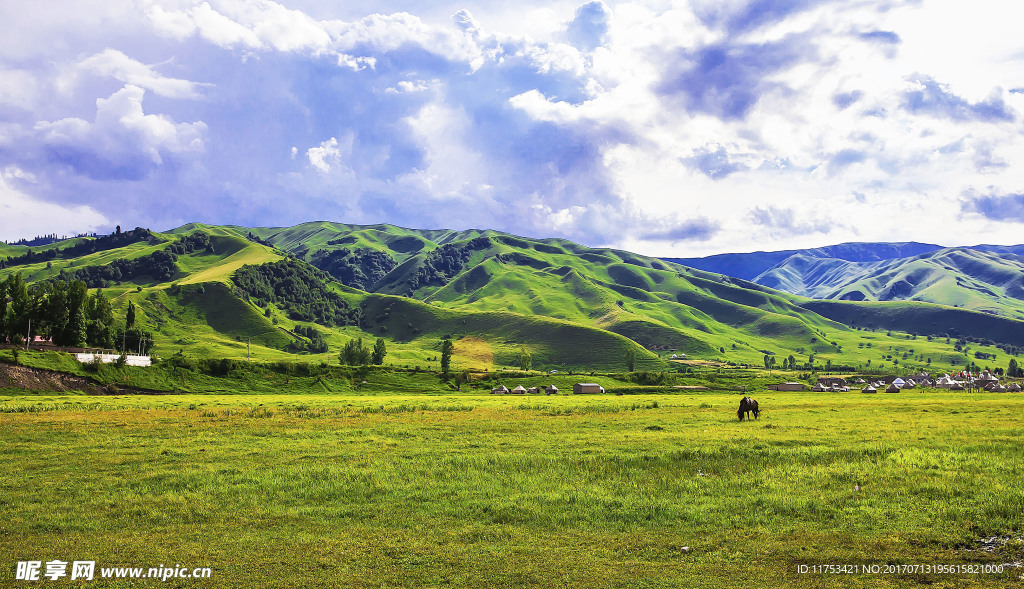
445 262
64 313
160 265
360 268
83 248
297 288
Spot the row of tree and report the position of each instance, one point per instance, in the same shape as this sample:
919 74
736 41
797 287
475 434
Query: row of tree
64 313
354 354
85 247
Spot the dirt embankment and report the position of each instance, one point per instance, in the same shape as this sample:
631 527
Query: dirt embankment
37 379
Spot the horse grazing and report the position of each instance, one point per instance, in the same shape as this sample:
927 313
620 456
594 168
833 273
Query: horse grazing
748 405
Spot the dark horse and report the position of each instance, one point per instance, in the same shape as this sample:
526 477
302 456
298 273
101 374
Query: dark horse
748 405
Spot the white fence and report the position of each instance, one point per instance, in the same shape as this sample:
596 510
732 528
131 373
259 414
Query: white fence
130 359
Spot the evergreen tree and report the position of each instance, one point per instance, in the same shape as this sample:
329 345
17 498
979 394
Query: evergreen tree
447 349
3 311
130 320
630 359
379 351
1013 369
76 332
18 309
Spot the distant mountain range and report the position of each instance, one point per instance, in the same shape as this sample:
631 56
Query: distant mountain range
317 285
985 278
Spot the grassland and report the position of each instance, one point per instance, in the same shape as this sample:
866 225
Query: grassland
439 489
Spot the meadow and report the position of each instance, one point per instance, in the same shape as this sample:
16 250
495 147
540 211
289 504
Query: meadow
466 489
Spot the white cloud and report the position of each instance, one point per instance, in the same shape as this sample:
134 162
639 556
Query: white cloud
116 64
329 154
665 123
122 141
22 216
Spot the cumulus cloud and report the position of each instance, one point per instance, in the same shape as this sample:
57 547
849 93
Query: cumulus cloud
710 125
324 156
122 142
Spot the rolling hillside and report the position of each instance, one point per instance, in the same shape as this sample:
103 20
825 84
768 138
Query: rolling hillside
965 278
497 296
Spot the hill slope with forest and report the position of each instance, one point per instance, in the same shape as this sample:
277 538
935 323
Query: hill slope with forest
303 292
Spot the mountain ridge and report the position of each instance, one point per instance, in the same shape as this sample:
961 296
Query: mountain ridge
503 297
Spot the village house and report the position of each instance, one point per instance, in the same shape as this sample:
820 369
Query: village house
584 388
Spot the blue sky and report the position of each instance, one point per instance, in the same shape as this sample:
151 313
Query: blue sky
667 128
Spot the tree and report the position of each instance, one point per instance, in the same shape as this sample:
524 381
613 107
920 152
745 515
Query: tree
379 351
447 349
630 359
354 354
525 360
1013 369
130 319
18 309
3 311
460 379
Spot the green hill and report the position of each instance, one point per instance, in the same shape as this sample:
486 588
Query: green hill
292 293
977 280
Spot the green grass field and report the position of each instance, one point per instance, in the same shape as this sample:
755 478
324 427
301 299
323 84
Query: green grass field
468 489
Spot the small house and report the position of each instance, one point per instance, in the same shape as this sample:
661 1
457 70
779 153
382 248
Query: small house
499 390
519 390
832 381
551 390
985 378
820 388
585 388
892 388
533 391
1013 388
869 389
